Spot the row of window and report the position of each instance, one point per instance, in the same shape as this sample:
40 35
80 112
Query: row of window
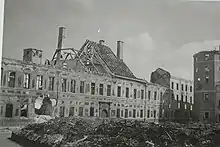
136 93
206 69
114 113
93 112
206 57
206 115
151 113
126 113
206 79
185 106
182 87
155 95
182 98
68 86
126 105
168 114
27 80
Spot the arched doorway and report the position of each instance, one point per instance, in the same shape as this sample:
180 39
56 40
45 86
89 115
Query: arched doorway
104 113
9 110
104 109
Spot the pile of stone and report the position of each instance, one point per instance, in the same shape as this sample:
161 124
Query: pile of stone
79 132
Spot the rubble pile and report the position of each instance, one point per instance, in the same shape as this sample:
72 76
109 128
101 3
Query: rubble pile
79 132
42 118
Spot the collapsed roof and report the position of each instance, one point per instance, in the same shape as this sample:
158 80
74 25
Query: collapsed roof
108 58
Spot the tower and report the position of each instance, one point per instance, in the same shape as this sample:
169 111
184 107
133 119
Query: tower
206 83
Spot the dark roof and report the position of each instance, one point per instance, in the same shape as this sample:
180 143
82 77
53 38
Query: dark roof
162 72
207 52
115 65
161 77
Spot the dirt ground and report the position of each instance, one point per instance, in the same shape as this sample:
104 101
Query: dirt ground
5 142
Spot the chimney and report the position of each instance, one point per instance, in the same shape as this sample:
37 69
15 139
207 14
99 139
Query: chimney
101 42
120 49
59 44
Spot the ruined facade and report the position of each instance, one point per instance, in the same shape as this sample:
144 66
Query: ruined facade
92 82
177 99
207 83
181 98
155 100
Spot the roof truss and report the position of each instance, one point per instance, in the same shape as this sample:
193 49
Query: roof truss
86 55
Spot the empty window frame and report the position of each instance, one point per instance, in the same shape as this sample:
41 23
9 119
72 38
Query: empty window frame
182 86
206 67
206 115
142 94
11 79
27 80
82 85
64 84
51 84
206 57
155 95
119 91
172 84
135 93
149 95
206 79
108 90
206 96
101 89
190 88
92 88
39 84
127 92
186 87
73 86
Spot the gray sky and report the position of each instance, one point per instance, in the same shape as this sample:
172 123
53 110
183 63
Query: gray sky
156 33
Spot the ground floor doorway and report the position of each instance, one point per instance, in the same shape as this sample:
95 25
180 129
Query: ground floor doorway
9 110
104 109
104 113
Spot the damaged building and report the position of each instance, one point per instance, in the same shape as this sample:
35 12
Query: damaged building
91 81
177 103
207 86
155 95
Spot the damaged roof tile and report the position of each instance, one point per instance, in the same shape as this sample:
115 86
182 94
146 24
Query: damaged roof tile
116 66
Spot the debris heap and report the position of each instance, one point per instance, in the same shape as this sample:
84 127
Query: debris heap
79 132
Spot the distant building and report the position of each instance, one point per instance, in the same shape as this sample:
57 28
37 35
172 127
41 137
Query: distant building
177 99
155 97
181 98
207 86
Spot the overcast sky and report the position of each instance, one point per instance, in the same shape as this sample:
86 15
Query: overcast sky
156 33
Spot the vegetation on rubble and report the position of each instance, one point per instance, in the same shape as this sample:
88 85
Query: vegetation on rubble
79 132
